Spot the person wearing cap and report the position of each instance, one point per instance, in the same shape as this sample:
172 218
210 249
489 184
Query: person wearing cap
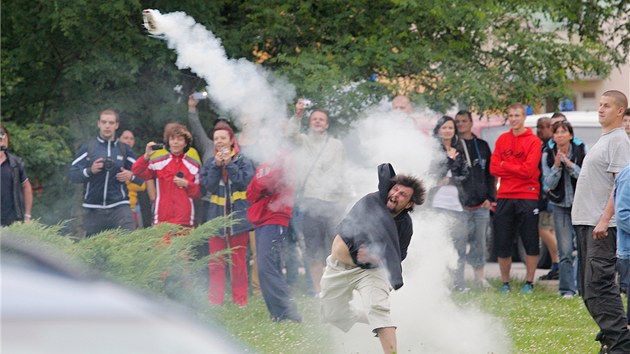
225 177
15 188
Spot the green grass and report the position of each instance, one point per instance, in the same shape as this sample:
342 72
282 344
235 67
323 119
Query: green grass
252 326
541 322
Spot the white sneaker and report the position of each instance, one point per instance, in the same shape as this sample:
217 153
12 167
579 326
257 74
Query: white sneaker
482 284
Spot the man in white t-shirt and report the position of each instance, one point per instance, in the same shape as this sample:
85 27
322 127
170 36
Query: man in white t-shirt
595 226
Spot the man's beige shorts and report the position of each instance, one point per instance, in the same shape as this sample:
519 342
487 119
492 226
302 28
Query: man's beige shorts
337 285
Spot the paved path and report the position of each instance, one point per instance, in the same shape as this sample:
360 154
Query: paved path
516 273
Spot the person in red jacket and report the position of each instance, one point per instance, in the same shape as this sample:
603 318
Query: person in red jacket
271 195
176 171
515 162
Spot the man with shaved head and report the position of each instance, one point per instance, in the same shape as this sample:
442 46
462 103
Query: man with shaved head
402 104
595 225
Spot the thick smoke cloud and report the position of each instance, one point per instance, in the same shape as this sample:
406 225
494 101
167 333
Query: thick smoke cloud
238 87
428 320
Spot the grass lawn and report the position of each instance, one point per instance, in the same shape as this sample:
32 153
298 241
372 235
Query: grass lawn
252 326
541 322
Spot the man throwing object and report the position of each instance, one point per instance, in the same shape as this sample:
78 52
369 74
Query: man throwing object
367 252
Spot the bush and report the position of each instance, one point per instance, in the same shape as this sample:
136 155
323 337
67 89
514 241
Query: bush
149 259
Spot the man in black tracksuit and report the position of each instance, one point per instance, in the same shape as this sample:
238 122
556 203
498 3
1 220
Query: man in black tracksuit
371 243
103 165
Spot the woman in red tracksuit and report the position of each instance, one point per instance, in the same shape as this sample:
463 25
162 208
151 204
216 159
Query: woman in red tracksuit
271 196
176 172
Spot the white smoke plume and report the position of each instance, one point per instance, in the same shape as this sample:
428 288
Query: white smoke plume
237 86
428 320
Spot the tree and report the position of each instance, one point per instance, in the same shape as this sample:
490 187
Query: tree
65 61
480 54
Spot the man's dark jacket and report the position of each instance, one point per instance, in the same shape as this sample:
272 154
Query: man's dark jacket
103 190
17 166
370 223
479 184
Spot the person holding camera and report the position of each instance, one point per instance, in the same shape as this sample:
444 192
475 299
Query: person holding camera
320 194
225 177
103 165
175 167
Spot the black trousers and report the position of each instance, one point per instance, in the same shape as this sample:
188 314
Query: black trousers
597 259
97 220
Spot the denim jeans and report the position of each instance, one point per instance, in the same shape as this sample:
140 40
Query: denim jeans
477 222
566 240
459 236
623 270
269 250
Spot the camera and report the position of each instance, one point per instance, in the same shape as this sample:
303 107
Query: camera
307 103
157 147
108 163
200 95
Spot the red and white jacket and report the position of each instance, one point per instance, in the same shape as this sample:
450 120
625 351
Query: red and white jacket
173 204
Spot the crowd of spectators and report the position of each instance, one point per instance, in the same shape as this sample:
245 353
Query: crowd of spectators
550 187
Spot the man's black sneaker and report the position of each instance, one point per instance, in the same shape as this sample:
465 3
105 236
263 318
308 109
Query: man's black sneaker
600 337
293 319
552 275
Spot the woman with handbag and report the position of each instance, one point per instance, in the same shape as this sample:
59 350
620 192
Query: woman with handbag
451 170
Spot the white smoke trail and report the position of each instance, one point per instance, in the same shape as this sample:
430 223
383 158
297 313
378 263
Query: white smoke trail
428 321
238 87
